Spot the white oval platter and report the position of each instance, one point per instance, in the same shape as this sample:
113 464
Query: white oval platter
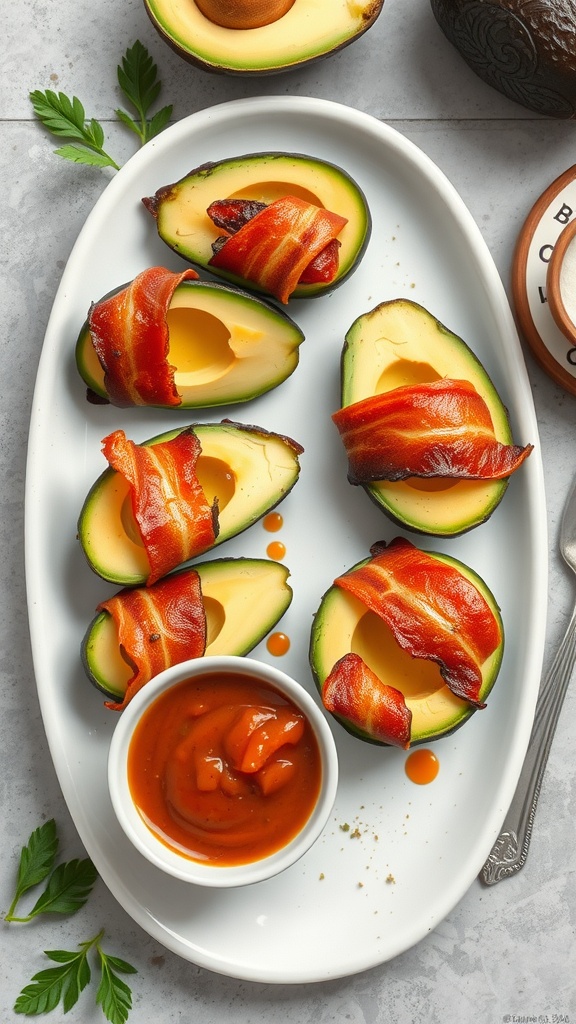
365 894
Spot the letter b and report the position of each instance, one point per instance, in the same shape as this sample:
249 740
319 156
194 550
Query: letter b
564 214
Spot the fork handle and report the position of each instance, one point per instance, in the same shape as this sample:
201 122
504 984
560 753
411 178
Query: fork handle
510 850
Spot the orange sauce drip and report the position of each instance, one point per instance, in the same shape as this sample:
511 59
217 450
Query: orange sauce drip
276 550
278 644
422 766
224 769
273 522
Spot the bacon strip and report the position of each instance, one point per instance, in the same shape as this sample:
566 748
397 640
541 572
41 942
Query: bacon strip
169 505
275 247
433 610
443 428
130 335
354 692
232 214
158 627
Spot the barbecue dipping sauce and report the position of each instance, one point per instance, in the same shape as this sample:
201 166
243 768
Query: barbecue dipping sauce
224 769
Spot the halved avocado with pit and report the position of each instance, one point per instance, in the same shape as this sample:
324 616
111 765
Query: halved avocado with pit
400 343
343 624
182 221
248 469
309 30
226 345
243 600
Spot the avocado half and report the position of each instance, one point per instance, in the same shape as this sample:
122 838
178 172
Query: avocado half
226 345
243 600
342 624
309 30
182 222
400 343
248 469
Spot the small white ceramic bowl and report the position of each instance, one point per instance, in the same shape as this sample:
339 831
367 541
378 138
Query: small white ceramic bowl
168 859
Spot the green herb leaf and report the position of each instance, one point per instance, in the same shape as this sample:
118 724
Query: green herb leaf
159 121
137 77
57 984
66 118
114 995
69 886
36 861
78 155
63 984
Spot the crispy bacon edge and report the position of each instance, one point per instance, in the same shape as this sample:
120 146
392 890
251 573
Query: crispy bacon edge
439 429
353 692
173 516
130 335
157 627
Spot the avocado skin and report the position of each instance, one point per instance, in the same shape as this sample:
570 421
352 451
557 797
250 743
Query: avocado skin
209 169
108 692
220 67
467 710
525 50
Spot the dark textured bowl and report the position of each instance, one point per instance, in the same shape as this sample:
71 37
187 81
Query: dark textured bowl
524 48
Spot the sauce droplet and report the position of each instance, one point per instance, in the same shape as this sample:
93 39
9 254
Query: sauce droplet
278 644
422 766
276 550
273 522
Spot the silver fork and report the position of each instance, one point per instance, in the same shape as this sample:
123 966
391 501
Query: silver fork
510 850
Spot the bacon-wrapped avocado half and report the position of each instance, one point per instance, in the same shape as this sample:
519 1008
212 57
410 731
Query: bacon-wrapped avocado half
406 645
282 224
224 606
163 503
171 341
425 430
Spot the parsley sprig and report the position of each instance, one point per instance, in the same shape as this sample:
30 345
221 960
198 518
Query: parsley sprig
63 984
67 889
66 118
137 79
69 885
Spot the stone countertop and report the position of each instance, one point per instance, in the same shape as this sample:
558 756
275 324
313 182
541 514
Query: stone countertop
505 953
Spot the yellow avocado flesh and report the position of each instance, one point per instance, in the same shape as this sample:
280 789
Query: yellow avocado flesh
343 625
248 471
310 29
400 343
243 599
185 226
226 346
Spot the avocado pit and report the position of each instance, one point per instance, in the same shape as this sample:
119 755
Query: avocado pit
244 14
